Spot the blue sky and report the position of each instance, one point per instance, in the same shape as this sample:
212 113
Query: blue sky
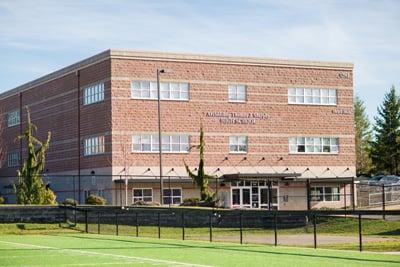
37 37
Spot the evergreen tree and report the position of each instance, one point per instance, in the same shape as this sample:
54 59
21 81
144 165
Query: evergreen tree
363 138
201 178
385 151
30 188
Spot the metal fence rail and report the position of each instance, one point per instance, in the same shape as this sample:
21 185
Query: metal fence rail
103 221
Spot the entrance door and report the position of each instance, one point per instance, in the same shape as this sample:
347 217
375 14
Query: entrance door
264 199
241 197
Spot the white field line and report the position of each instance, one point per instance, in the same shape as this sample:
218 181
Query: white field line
85 252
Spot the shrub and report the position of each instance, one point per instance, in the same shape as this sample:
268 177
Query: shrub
70 201
49 197
143 203
192 201
2 200
96 200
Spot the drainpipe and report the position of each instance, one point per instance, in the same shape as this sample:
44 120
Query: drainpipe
78 75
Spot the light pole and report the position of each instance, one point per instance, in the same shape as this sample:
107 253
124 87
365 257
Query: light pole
159 134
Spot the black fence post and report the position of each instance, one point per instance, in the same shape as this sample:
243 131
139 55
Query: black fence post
269 195
275 229
308 194
86 221
383 202
98 223
159 226
353 201
116 223
315 230
183 225
345 200
241 227
137 225
360 231
210 227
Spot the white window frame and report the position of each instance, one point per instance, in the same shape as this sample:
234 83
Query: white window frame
313 145
13 118
234 141
175 91
324 194
94 145
13 159
173 196
152 142
234 93
93 94
312 96
141 198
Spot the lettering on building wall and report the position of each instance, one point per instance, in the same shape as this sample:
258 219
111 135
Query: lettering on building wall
237 117
340 111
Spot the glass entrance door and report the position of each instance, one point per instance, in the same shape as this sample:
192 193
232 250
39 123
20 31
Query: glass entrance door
264 198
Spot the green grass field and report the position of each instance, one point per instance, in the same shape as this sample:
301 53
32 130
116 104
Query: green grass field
78 249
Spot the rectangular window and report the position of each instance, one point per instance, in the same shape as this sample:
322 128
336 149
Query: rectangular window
13 159
168 90
237 93
325 193
143 194
170 143
13 118
172 196
312 96
238 144
311 145
93 94
94 145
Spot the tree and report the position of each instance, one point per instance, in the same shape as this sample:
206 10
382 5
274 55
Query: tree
385 152
30 188
2 142
201 178
363 138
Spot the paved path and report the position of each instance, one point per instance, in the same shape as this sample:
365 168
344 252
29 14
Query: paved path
300 239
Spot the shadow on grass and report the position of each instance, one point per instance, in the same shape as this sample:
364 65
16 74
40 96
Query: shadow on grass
227 248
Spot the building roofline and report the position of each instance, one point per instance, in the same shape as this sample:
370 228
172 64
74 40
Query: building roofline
177 57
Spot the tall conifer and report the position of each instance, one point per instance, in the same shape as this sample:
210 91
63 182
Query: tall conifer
385 151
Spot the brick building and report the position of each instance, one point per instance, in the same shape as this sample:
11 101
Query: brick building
279 133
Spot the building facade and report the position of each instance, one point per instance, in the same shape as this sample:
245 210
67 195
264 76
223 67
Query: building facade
279 133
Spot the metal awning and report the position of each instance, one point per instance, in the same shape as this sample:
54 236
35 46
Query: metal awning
327 180
259 176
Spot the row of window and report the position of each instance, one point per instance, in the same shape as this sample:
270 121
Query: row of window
236 93
170 195
325 193
179 143
180 91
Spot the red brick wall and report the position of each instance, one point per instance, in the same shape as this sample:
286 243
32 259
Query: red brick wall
267 88
53 107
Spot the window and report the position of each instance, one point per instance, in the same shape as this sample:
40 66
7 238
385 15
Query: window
237 93
314 145
170 143
172 196
13 118
93 94
94 145
143 194
100 193
312 96
13 159
169 90
325 193
238 144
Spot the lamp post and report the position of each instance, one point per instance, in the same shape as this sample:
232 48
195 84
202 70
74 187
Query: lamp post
159 134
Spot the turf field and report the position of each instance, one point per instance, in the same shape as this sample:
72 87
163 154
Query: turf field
102 250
